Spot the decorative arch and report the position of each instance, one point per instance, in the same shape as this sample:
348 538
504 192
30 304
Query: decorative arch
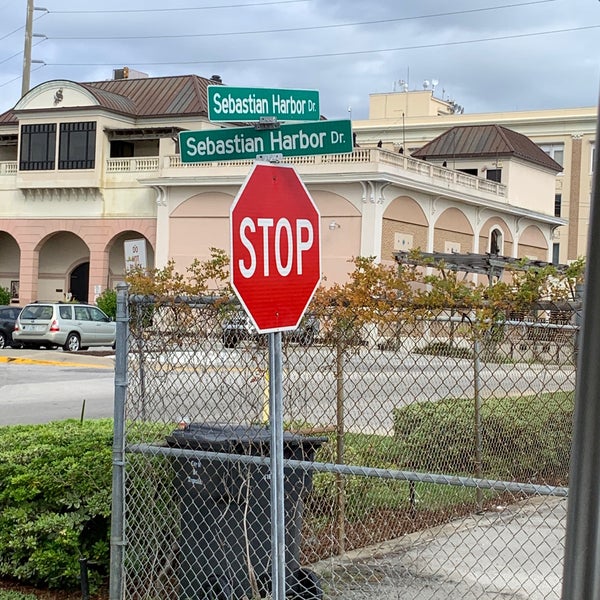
499 227
10 259
340 232
533 244
114 253
60 253
453 232
405 226
197 224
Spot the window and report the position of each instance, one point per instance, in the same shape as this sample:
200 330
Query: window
555 253
82 313
468 171
97 315
38 147
593 154
77 148
557 204
494 175
65 312
555 151
496 242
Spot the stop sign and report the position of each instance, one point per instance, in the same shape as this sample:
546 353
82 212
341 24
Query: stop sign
275 237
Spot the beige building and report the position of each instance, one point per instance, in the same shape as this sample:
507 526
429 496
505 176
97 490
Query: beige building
87 167
410 119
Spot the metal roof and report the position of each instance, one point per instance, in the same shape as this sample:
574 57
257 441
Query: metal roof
180 95
485 141
156 96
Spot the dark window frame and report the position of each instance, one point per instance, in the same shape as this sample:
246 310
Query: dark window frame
38 147
77 156
557 204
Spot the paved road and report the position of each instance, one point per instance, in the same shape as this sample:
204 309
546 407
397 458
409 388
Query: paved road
41 386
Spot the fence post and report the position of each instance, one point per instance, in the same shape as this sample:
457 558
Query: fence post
117 539
339 478
477 424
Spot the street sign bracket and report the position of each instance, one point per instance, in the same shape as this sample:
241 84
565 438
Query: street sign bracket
267 123
272 158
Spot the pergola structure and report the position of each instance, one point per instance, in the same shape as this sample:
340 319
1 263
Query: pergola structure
492 265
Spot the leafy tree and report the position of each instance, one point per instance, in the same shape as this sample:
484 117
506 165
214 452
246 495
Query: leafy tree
4 296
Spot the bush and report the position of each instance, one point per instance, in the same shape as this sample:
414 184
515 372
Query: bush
107 302
522 438
4 296
55 498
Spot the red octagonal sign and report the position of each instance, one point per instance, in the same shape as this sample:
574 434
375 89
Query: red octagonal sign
275 247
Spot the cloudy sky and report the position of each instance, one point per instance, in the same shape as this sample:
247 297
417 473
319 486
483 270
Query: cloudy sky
486 55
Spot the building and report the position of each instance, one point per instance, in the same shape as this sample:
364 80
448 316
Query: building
410 119
86 167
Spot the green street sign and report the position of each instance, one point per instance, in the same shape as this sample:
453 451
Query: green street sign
250 104
239 143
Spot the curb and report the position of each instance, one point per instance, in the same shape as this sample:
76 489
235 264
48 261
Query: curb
32 361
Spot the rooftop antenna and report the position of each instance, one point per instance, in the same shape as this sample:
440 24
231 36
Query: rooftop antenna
434 82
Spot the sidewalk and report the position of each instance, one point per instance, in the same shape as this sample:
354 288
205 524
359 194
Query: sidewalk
98 359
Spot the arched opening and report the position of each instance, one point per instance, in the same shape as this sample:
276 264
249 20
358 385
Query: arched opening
79 282
496 242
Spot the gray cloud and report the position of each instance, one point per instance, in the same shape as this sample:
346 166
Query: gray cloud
558 70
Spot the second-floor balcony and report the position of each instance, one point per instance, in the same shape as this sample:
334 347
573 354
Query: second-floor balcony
367 162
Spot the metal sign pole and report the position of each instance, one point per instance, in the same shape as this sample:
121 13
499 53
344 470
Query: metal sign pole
277 489
581 575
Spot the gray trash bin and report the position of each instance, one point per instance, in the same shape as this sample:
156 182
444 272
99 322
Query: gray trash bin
226 513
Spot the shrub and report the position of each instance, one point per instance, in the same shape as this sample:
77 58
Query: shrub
4 296
107 301
55 493
522 438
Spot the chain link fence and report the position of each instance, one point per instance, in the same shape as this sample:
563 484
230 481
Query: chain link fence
426 458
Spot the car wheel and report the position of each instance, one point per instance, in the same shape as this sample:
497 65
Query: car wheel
3 341
73 343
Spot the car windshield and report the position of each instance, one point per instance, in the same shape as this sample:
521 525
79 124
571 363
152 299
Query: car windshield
37 312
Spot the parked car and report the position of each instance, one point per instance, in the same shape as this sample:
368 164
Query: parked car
8 317
72 326
238 327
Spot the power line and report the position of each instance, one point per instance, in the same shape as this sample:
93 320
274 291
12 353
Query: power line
20 53
20 76
290 29
20 28
332 54
151 10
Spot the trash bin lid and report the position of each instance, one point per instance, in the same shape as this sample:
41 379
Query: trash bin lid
226 437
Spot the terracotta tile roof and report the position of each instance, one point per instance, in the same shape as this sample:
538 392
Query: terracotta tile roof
485 141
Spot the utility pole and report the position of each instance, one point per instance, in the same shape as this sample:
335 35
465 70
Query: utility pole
27 49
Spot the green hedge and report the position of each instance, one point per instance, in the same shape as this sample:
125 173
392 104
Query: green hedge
522 438
55 496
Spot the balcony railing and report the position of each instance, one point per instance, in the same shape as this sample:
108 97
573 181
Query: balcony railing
132 165
437 174
8 168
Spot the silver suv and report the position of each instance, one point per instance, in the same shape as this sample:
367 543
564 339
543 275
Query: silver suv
72 326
